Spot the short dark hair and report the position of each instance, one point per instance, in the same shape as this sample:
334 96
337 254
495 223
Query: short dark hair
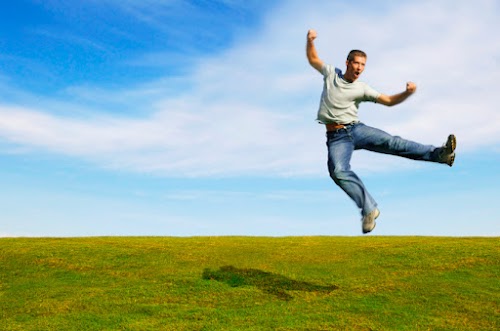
355 52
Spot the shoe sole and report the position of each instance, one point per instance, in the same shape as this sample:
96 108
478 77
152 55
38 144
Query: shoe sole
451 144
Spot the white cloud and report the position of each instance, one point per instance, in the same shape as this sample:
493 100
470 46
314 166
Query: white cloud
250 110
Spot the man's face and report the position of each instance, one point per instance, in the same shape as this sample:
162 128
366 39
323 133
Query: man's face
355 68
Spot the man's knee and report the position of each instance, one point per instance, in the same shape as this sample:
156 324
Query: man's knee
339 175
397 143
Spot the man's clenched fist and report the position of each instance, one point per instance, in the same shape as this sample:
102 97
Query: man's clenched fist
311 35
411 87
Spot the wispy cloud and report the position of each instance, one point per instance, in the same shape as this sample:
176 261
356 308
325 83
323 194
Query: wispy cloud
250 109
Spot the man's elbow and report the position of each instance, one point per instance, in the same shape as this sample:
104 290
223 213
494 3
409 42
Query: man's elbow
389 100
315 63
385 100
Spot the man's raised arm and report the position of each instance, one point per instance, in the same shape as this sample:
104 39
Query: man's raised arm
312 55
395 99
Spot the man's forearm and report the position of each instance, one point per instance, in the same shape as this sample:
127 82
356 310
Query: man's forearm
311 53
398 98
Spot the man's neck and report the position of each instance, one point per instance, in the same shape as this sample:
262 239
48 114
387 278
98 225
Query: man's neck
348 78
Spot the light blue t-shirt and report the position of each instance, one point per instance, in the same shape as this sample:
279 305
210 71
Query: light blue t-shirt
340 99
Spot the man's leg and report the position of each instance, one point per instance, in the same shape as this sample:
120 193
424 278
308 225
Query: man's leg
376 140
340 148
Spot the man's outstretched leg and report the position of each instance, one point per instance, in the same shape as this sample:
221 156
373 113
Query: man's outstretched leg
376 140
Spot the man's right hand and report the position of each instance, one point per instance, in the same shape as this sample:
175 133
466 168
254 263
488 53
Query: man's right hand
311 35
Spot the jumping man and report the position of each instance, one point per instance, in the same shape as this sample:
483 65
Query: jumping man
338 111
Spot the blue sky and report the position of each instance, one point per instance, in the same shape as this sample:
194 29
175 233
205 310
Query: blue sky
181 118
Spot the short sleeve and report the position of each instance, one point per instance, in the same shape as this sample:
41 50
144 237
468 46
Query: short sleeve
371 94
327 69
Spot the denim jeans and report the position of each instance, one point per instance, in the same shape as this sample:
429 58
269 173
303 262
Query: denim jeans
341 143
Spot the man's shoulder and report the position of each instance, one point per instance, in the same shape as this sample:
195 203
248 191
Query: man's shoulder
329 69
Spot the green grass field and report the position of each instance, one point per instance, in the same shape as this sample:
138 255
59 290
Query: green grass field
250 283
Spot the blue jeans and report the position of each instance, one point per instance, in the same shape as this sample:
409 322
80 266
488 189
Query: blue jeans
341 143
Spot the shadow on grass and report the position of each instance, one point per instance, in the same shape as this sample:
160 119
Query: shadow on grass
265 281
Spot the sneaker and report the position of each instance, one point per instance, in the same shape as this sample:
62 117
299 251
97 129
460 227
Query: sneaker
369 220
447 152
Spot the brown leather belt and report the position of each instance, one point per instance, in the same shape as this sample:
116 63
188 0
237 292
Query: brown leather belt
334 127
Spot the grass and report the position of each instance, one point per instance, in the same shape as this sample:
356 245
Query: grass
250 283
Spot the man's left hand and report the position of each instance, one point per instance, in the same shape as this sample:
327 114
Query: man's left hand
411 87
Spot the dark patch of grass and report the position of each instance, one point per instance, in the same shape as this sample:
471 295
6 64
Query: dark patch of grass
265 281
